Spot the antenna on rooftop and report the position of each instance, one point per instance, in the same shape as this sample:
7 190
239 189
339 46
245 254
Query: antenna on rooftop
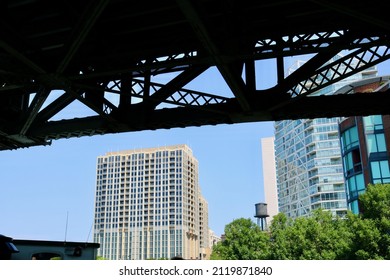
66 225
89 232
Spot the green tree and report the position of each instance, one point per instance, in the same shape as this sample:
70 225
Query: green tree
375 206
318 237
375 202
243 240
280 249
365 239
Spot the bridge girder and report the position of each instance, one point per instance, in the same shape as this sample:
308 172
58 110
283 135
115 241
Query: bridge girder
111 55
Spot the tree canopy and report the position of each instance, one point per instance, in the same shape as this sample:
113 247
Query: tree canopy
320 236
243 241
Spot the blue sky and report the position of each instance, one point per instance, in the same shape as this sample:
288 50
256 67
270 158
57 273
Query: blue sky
44 187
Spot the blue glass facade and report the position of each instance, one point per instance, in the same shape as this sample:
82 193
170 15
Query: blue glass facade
353 171
365 151
309 167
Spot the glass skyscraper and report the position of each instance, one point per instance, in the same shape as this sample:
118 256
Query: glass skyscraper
308 161
148 205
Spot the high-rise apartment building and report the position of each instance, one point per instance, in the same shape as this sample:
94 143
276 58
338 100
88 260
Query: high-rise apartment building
148 204
213 238
365 143
309 163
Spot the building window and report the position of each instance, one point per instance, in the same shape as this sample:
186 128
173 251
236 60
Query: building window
355 185
352 162
349 139
376 143
380 171
373 123
354 206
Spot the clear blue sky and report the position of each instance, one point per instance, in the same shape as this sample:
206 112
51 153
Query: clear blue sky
42 186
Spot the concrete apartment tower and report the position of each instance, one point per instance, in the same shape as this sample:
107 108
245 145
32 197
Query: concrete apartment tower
205 246
148 204
269 177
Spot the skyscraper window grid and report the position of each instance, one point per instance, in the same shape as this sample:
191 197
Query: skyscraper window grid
308 159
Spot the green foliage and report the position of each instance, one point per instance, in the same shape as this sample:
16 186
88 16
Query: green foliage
280 249
365 238
375 202
243 241
375 205
320 236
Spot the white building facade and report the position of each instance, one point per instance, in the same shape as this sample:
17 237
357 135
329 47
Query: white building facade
147 204
269 177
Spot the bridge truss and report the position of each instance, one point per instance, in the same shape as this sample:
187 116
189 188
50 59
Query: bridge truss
111 55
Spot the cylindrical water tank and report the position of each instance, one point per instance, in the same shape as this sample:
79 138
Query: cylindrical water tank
261 210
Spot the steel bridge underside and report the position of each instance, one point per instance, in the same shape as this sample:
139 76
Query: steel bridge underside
131 63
